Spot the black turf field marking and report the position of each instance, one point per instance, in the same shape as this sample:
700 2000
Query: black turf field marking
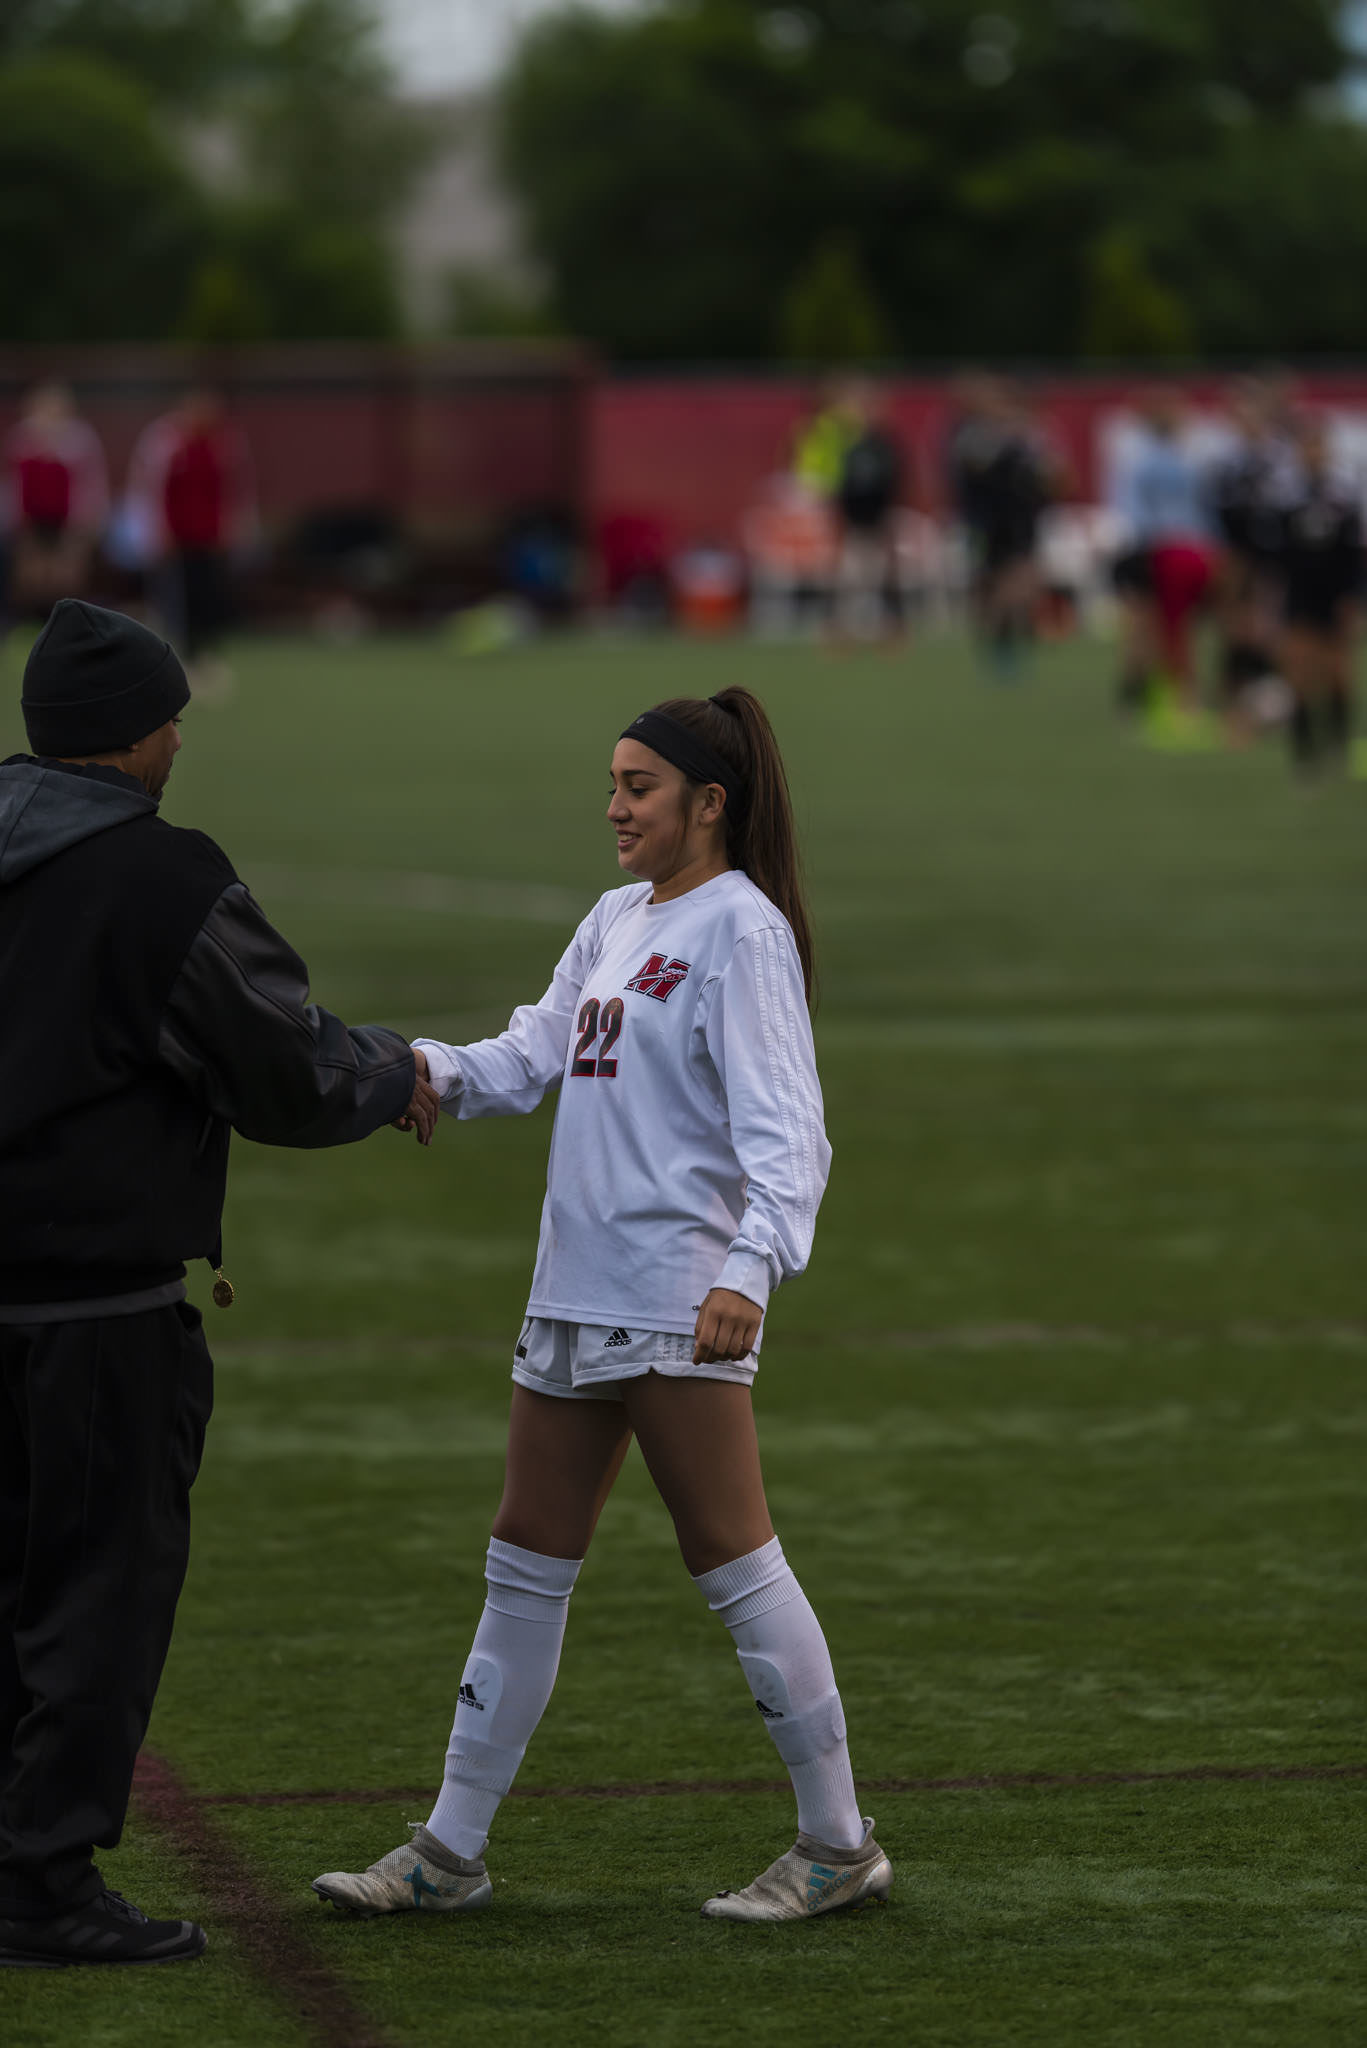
285 1963
992 1781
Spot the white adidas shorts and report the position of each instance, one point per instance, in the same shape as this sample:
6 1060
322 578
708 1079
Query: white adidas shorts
588 1361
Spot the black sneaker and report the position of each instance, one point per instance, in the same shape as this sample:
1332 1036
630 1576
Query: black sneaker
107 1929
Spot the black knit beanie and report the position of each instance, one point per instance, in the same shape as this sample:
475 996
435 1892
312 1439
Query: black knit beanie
96 681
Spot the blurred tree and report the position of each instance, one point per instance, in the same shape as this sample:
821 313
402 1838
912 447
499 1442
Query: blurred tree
1009 181
1128 312
1267 239
275 274
223 305
484 304
98 221
284 116
180 50
642 153
830 313
321 124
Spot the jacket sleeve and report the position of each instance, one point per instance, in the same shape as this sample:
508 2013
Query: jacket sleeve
240 1032
510 1075
759 1037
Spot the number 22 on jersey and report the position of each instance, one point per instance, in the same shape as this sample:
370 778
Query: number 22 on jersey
593 1019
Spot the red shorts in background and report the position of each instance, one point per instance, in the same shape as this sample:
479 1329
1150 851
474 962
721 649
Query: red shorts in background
1183 572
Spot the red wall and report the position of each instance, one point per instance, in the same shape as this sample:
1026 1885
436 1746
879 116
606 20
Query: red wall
453 437
450 438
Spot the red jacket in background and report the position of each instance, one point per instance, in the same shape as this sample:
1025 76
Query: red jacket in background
53 477
193 485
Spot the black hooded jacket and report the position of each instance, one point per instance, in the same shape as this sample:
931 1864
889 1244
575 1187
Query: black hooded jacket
146 1006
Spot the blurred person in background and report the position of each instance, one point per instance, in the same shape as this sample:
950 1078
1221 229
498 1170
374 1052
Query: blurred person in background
1320 552
191 494
1164 504
821 442
1132 582
54 500
1250 489
1000 480
867 495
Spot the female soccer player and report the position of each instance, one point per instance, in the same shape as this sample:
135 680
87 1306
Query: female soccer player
1322 568
1162 499
687 1161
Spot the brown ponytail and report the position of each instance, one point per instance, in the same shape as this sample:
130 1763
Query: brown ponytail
760 839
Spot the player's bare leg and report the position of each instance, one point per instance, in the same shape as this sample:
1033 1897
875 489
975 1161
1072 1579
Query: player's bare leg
698 1439
699 1442
563 1456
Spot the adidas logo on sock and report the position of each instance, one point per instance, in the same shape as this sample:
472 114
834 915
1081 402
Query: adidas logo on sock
466 1698
617 1339
769 1713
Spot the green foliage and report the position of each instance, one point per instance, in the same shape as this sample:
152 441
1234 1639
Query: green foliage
642 154
484 305
321 126
180 50
1129 313
1011 181
296 241
224 305
98 222
1266 240
830 313
278 273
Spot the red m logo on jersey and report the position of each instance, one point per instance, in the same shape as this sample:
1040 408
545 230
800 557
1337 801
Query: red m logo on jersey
659 977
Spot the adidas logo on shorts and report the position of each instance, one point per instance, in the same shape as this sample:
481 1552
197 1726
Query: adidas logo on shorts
616 1340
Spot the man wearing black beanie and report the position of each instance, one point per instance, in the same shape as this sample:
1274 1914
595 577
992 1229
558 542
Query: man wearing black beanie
147 1009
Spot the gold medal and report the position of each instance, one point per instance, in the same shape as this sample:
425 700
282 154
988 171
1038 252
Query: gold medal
223 1289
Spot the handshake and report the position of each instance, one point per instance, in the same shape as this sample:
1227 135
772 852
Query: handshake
421 1113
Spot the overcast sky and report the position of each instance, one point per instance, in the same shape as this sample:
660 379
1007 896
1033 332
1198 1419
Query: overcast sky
441 44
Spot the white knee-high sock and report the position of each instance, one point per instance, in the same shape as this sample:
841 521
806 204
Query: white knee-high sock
507 1681
788 1669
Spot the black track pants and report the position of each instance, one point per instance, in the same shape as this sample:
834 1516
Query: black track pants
101 1430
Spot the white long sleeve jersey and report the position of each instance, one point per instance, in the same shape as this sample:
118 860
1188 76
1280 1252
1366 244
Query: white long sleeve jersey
688 1150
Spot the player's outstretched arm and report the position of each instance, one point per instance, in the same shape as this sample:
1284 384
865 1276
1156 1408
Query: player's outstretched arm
511 1074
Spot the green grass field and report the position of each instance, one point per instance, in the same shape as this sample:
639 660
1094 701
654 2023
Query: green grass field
1064 1429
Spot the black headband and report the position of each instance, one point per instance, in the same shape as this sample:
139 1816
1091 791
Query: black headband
675 743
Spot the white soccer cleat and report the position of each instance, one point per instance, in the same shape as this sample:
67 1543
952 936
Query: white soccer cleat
423 1877
811 1878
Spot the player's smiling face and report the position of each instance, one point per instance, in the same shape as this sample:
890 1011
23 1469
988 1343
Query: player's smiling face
667 832
648 811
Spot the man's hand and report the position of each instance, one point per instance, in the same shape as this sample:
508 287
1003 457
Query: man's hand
727 1327
421 1113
